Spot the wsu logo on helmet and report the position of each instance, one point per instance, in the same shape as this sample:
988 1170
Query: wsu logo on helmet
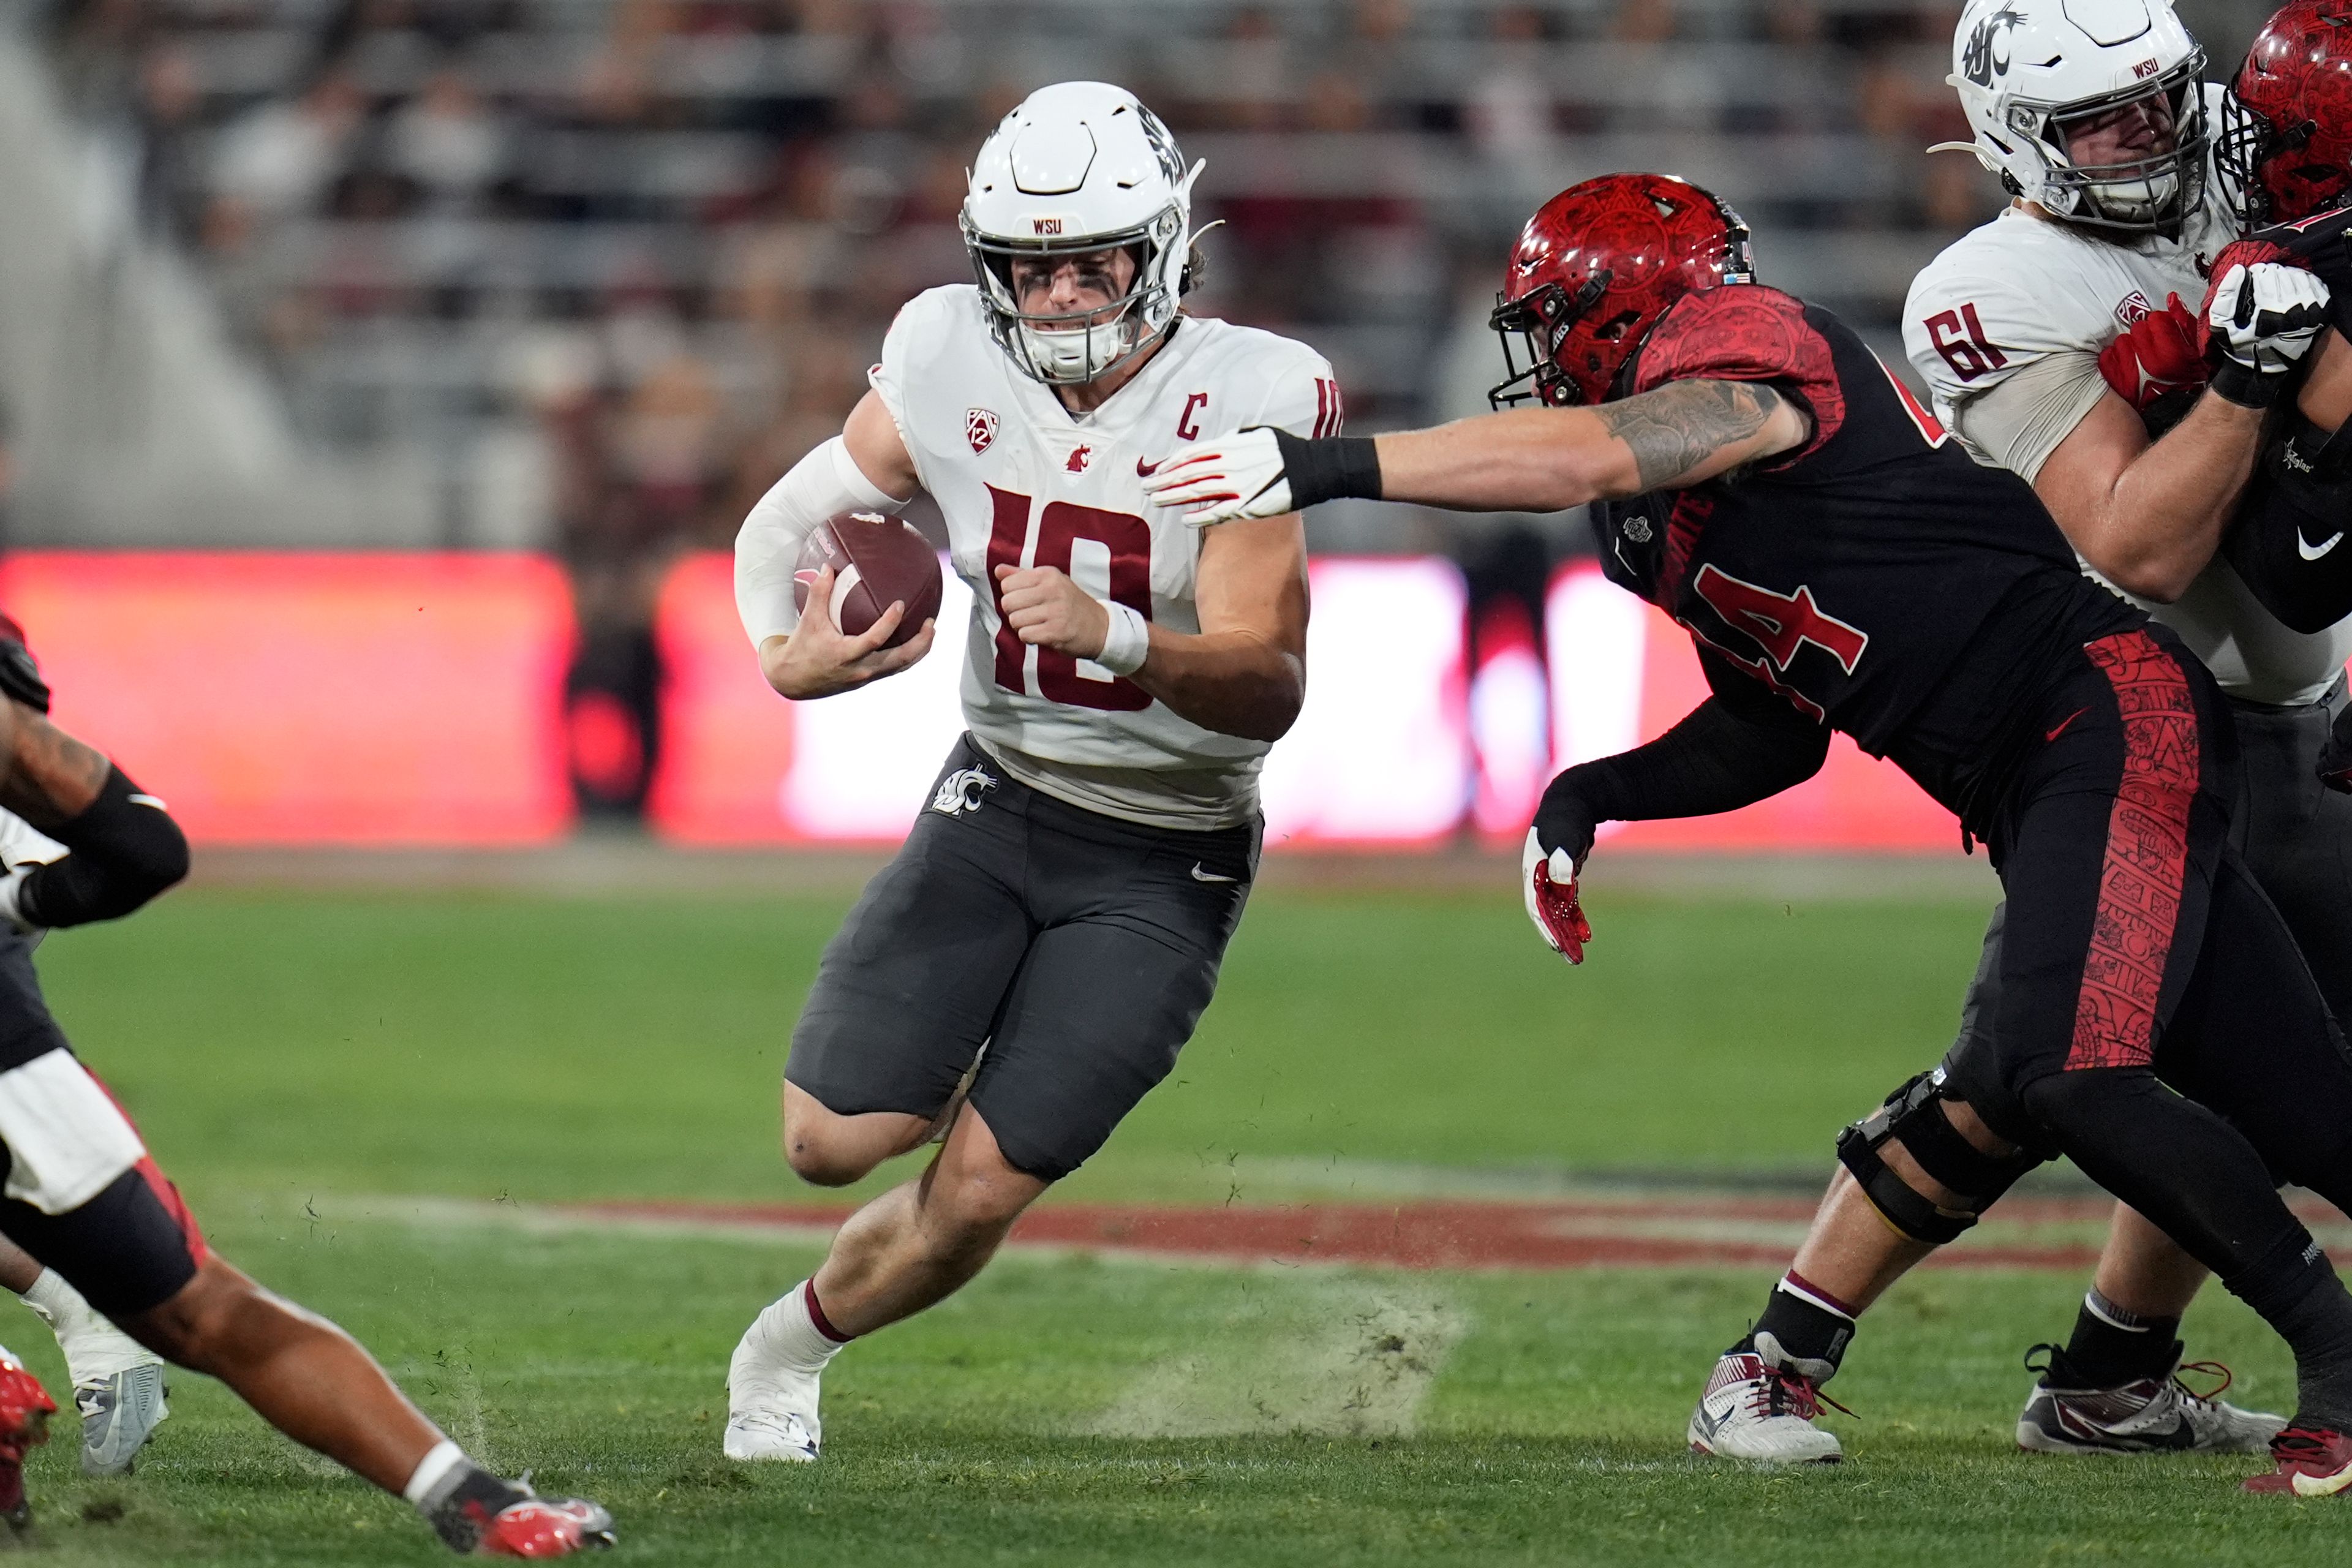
1978 62
980 428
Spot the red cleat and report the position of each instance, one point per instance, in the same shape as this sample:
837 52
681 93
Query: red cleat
25 1411
2311 1462
546 1527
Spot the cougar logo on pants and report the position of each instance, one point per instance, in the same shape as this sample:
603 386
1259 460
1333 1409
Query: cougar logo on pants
959 792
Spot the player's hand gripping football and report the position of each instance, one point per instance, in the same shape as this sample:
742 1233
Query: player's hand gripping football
1239 475
1046 608
820 660
1557 846
2260 320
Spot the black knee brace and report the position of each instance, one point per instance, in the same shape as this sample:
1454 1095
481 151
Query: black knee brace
1914 1114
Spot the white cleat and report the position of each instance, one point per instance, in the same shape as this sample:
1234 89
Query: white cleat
2154 1415
758 1435
119 1415
770 1407
1760 1413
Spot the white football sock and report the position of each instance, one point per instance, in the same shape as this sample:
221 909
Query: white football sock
95 1349
439 1462
792 1336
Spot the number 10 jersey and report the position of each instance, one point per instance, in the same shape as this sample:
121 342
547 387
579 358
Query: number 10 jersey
1023 482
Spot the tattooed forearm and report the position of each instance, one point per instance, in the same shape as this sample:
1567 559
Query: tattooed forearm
1676 429
51 777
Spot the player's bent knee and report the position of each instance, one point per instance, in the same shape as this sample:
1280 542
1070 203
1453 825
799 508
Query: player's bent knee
827 1149
197 1326
1914 1118
822 1163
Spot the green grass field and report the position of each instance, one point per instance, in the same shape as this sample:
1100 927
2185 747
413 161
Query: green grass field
304 1062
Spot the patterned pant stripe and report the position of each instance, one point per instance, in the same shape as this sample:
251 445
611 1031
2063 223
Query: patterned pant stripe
2146 855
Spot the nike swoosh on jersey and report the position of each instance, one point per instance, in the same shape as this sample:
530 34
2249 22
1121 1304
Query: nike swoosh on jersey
1200 876
2313 551
1144 471
2060 730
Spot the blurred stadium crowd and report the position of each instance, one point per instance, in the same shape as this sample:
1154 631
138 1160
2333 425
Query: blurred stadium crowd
604 268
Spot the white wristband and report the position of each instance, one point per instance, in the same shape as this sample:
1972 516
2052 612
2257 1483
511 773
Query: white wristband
1128 643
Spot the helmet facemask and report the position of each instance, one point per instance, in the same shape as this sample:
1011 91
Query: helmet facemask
2151 192
2260 162
1535 326
1069 348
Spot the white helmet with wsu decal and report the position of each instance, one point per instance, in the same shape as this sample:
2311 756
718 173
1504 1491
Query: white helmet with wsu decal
1080 167
2031 71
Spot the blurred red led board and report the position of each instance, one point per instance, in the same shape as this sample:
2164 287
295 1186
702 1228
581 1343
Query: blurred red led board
375 699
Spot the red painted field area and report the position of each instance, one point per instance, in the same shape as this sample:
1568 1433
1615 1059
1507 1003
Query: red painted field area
1611 1232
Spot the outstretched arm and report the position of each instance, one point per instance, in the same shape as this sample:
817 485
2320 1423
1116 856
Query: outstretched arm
1526 459
124 848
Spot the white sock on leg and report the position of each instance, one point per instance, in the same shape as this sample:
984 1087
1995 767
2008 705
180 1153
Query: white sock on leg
95 1349
791 1337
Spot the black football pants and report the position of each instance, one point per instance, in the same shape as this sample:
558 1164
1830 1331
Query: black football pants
2154 1020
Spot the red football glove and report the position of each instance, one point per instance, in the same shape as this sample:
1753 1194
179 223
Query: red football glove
2162 352
1549 883
2247 253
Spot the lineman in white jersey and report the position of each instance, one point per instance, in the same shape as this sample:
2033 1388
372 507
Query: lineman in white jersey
1064 899
2060 342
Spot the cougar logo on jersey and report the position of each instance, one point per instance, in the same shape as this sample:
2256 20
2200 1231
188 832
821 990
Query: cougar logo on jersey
959 792
980 428
1977 61
1078 456
1637 529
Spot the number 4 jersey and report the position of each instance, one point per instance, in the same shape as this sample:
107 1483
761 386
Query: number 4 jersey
1024 482
1851 574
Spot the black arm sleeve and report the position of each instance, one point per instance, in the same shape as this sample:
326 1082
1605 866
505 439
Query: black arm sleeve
1726 754
2288 540
125 851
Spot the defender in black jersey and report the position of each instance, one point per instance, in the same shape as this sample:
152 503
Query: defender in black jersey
1840 565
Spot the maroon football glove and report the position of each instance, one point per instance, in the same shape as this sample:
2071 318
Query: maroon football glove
1547 880
2160 353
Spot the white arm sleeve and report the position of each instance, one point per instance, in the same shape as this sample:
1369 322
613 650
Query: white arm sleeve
826 483
2020 420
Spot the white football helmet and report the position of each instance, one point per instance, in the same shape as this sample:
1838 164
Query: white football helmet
2027 70
1080 167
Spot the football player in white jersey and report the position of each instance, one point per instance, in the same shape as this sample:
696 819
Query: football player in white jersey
2063 342
1064 899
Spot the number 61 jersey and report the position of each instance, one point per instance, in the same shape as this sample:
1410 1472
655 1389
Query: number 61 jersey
1024 482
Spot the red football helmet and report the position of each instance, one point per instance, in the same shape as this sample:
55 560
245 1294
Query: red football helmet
1594 269
2286 119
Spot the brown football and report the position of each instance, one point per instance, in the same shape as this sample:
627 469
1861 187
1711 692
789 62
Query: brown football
877 562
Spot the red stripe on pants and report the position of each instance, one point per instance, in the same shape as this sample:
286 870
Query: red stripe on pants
2146 855
166 1190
